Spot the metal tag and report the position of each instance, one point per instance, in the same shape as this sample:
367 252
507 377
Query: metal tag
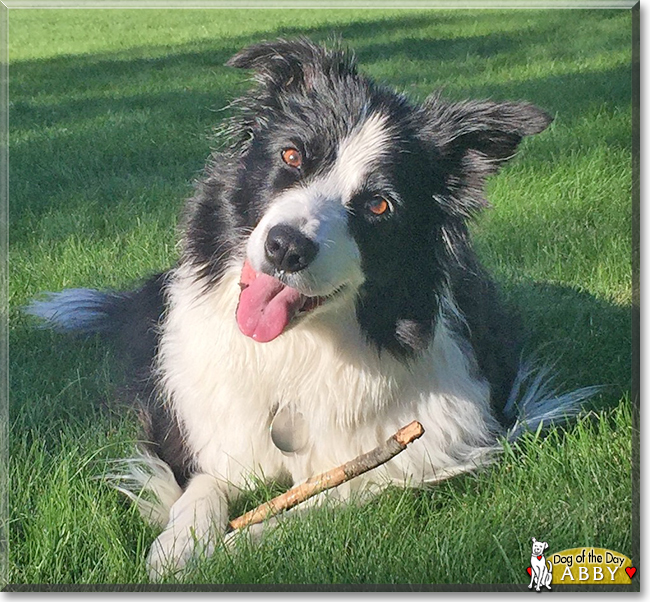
289 431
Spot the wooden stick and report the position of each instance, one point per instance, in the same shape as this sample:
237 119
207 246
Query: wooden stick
332 478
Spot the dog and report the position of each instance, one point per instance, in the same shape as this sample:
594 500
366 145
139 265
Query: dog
327 293
541 574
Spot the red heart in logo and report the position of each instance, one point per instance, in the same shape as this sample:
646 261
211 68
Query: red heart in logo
539 558
631 571
529 571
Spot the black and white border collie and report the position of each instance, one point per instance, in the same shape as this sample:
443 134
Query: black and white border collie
326 295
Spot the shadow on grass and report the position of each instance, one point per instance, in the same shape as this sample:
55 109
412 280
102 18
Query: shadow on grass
588 339
80 123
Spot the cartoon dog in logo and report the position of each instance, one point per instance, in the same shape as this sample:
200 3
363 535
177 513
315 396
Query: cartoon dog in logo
540 573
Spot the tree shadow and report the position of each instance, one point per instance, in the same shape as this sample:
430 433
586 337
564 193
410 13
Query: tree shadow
109 116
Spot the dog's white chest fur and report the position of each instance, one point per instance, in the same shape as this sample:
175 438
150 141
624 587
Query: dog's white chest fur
226 388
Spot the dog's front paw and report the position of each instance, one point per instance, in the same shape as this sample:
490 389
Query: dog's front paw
196 521
171 552
248 535
232 539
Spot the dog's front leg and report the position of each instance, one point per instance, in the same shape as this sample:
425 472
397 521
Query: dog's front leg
196 521
532 577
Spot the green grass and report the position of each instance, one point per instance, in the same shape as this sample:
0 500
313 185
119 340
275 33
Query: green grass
110 121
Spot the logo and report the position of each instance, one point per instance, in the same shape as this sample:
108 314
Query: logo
577 566
540 571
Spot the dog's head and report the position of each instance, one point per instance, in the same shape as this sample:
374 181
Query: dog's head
351 191
539 547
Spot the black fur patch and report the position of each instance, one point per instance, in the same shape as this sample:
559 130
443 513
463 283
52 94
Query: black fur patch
135 320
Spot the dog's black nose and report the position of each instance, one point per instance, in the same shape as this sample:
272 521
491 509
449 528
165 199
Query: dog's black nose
288 249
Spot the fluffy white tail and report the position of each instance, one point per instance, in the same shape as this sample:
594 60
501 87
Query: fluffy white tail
80 310
534 403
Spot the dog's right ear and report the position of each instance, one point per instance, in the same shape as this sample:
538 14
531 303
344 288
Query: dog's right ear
292 63
534 540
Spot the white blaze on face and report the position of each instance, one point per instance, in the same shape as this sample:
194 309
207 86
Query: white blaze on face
319 211
356 156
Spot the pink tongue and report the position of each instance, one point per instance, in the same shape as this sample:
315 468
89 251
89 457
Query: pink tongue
266 306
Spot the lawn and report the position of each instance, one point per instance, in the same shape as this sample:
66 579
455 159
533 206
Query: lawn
112 115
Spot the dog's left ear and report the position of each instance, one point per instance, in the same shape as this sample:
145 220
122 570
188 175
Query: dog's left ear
472 140
545 546
486 130
481 135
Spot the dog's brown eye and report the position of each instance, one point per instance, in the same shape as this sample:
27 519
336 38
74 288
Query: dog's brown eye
292 157
378 206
